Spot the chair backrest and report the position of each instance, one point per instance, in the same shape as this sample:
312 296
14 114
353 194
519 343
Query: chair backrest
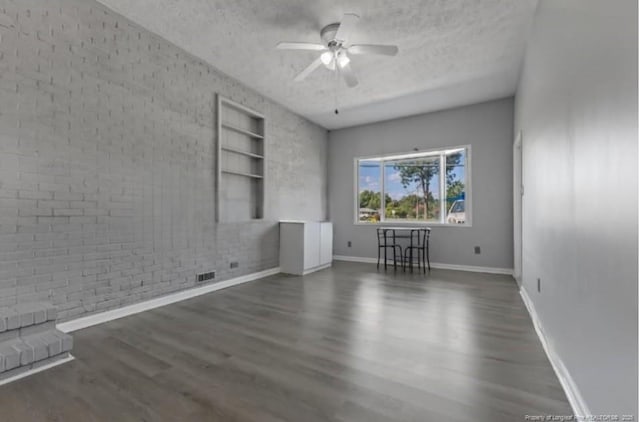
381 237
422 236
384 235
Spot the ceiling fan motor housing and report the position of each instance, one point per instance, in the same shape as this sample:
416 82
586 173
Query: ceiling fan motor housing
328 35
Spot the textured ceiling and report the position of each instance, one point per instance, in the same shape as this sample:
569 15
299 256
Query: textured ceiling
452 52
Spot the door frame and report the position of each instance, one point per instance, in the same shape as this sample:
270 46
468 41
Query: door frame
518 194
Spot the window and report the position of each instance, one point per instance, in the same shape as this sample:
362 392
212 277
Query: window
422 187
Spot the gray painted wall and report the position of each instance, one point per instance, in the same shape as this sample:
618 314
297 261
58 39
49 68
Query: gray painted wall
488 128
107 163
577 108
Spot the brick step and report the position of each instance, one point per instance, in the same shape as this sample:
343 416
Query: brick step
24 352
26 315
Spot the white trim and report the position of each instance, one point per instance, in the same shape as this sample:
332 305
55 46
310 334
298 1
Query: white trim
240 107
437 265
395 223
443 187
218 117
95 319
468 188
413 154
314 269
472 268
570 388
383 189
518 192
32 371
356 191
363 259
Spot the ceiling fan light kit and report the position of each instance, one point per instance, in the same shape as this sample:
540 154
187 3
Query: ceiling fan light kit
326 58
336 49
342 59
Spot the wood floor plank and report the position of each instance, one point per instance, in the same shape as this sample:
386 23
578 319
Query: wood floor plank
344 344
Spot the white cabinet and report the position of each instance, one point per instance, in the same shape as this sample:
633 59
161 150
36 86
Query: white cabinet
311 245
326 243
305 246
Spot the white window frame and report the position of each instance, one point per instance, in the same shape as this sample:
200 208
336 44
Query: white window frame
415 154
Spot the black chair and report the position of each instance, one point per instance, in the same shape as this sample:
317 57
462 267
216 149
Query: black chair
418 241
387 240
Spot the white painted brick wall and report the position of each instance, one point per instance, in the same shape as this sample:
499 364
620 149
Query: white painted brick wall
107 152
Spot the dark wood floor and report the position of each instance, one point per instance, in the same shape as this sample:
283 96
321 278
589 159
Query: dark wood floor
344 344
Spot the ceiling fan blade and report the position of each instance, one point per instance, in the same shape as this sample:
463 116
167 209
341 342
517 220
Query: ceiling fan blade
307 71
349 21
348 75
300 46
385 50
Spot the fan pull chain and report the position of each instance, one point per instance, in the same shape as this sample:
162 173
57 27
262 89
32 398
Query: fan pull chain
337 88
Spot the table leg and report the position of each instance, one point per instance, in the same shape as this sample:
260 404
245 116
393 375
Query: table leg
385 252
411 250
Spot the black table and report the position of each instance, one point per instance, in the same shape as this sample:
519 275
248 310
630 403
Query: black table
406 232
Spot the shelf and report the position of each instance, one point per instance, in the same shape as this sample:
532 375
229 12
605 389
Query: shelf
239 173
242 131
241 162
243 109
238 151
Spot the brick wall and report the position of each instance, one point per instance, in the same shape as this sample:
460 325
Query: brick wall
107 150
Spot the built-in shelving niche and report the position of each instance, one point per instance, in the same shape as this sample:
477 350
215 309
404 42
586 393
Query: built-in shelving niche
241 162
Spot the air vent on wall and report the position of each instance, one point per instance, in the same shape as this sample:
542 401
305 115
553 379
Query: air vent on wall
206 277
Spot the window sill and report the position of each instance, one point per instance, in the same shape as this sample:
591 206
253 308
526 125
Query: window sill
409 224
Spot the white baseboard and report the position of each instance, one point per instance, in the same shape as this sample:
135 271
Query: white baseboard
472 268
354 259
90 320
318 268
36 370
570 388
438 265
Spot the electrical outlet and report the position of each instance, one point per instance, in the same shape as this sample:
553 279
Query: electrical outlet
476 250
538 285
234 264
349 244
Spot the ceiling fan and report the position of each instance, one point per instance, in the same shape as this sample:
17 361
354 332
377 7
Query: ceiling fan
336 49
